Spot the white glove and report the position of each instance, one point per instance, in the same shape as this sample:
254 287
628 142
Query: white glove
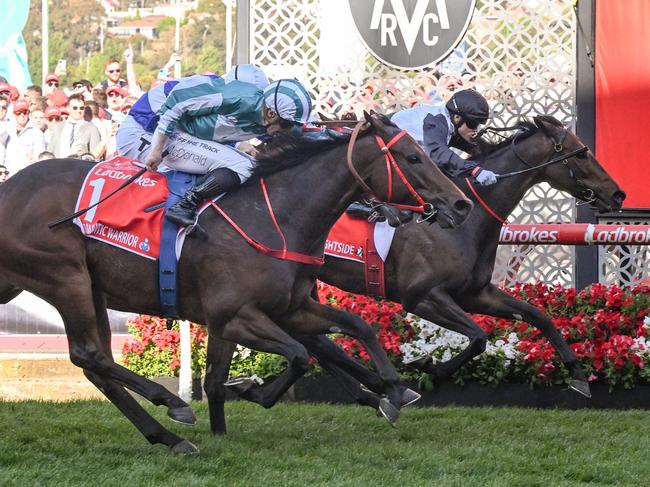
485 177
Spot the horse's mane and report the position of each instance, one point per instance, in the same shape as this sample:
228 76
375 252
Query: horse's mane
522 130
289 150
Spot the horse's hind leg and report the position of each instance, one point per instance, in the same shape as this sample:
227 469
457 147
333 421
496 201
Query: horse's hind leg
178 410
220 354
89 351
254 329
441 309
151 429
494 302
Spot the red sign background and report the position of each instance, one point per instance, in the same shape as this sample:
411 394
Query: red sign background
623 95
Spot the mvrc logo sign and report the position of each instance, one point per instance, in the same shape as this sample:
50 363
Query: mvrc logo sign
411 33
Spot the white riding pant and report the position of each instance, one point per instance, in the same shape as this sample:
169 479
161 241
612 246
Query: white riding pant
184 152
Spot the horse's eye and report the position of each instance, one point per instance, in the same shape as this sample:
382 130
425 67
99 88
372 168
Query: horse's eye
413 159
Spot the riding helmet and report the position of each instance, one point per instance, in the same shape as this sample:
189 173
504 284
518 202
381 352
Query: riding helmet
289 99
470 105
248 73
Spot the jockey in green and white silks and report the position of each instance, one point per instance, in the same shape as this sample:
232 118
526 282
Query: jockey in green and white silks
202 115
135 133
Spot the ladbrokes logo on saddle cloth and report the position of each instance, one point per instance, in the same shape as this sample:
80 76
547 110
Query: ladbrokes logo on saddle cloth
121 220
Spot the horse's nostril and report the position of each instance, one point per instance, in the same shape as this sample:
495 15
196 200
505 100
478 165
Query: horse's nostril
619 196
463 206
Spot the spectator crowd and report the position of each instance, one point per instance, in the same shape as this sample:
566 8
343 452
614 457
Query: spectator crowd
53 121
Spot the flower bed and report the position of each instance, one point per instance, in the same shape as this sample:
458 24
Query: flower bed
606 326
154 350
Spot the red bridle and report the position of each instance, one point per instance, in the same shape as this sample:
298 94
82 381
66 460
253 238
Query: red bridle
391 165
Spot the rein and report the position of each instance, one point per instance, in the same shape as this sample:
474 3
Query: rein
557 147
282 254
487 208
391 165
561 158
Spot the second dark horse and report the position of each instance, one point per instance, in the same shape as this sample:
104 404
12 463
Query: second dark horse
441 275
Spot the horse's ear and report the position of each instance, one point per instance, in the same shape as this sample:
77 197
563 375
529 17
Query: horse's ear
374 120
543 126
548 123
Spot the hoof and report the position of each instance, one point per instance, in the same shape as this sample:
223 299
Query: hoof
244 386
244 382
184 448
183 415
388 411
409 396
580 386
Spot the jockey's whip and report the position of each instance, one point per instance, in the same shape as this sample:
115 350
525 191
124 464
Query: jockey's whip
81 212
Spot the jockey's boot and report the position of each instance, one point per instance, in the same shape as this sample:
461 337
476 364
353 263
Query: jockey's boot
215 182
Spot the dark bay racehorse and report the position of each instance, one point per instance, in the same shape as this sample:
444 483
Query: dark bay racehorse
440 275
239 293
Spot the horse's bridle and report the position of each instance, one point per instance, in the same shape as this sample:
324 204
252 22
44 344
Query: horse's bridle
587 196
426 209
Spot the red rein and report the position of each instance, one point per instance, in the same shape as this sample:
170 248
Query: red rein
285 254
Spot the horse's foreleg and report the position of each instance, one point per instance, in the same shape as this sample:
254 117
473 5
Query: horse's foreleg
220 354
316 319
441 309
494 302
334 359
254 329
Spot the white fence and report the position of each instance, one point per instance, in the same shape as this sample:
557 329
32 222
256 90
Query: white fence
28 314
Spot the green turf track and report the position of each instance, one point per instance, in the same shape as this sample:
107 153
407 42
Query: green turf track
90 443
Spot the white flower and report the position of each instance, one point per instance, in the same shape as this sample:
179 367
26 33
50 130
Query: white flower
241 353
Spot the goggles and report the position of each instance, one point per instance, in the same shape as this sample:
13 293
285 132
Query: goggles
472 124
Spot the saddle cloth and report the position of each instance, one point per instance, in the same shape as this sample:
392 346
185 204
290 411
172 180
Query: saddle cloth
347 239
368 243
131 219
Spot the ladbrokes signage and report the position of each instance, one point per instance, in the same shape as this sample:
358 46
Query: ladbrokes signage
411 33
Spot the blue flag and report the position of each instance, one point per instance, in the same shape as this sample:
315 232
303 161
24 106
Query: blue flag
13 53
